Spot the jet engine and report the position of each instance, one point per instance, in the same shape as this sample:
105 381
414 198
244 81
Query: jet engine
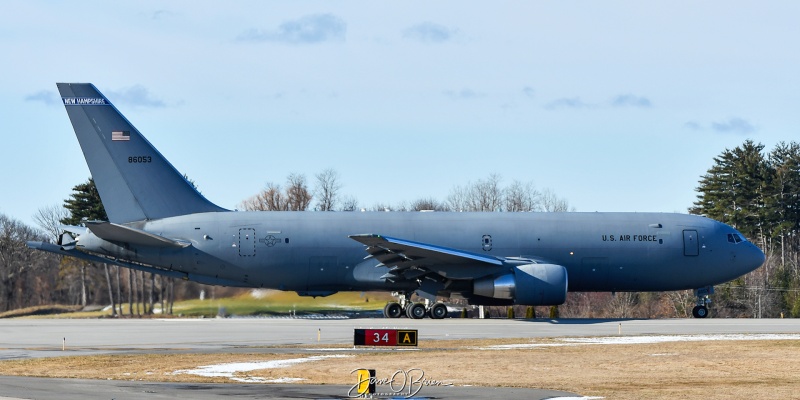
529 284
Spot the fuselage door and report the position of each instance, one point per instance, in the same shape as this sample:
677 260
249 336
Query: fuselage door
691 243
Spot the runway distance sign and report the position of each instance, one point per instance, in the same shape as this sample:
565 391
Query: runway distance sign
385 337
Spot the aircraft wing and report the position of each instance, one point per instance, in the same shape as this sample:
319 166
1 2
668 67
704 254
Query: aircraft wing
120 233
407 259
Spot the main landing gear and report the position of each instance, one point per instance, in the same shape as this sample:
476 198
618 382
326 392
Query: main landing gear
414 310
701 309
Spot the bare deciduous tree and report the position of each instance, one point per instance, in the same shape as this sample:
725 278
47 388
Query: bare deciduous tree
298 196
349 203
486 195
383 207
427 204
19 265
269 199
457 199
119 290
327 190
552 203
110 291
49 219
622 304
521 197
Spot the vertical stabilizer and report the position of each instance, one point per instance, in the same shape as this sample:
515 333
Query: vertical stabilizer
134 180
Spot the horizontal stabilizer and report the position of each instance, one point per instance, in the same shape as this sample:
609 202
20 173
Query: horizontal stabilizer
120 233
52 248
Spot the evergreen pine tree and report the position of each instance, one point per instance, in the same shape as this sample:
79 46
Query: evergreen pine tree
84 203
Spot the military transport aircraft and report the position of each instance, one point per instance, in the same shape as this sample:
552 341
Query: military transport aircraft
159 223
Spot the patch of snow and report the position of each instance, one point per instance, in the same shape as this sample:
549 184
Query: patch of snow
643 340
523 346
257 379
228 370
576 398
679 338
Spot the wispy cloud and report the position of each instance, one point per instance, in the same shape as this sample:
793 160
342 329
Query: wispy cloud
310 29
161 14
629 100
137 96
693 125
429 32
529 92
571 102
464 94
734 125
45 96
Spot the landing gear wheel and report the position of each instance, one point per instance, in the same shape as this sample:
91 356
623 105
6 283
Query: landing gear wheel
700 311
415 311
438 311
392 310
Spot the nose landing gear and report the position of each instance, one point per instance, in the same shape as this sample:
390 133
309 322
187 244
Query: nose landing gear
701 309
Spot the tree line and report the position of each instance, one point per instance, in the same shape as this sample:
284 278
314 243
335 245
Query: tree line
758 193
487 194
30 278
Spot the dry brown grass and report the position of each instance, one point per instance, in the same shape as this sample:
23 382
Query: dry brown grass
718 369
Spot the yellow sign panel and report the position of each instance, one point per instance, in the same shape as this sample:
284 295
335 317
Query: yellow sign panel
407 337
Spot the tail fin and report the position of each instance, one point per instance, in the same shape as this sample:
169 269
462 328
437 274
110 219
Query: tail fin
134 180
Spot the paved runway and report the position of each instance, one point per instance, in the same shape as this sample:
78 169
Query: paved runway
26 338
20 339
82 389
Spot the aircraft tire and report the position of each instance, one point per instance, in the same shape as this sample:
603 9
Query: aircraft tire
392 310
700 312
415 311
438 311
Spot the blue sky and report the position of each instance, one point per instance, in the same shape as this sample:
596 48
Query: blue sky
615 105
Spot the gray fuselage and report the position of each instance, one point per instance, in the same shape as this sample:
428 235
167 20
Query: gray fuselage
311 251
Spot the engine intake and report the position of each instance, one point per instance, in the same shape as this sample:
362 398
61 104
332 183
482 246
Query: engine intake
529 284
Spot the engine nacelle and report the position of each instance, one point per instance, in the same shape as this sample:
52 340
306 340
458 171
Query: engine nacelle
529 284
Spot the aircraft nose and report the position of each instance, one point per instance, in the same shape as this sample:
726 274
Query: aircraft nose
752 257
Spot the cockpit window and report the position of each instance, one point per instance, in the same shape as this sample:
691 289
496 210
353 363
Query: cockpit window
736 238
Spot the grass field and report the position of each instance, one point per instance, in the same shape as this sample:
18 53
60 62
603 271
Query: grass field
252 303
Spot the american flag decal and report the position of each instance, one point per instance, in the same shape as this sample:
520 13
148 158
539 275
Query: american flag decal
120 135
